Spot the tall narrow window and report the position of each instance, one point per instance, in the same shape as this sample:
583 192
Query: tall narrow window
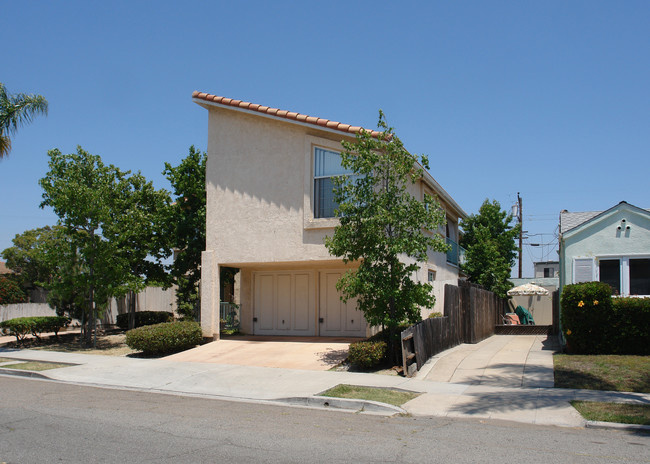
639 276
610 273
327 164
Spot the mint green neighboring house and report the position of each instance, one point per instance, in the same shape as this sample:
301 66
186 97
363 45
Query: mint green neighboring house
611 246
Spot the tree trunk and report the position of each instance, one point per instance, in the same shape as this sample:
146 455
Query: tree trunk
132 303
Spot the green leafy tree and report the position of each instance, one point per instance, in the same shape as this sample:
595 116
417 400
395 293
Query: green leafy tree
28 256
112 229
187 221
489 240
137 230
384 229
16 110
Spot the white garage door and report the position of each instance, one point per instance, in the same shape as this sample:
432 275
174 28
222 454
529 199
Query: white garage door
284 303
338 319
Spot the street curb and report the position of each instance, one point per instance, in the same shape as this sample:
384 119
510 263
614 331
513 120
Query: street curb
363 406
616 426
23 373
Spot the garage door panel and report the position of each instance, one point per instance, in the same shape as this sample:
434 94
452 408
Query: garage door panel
302 299
264 310
333 303
339 318
283 299
354 316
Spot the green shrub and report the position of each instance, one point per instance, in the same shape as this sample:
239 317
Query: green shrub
586 315
10 292
20 327
367 353
630 326
143 318
434 315
167 337
384 336
595 323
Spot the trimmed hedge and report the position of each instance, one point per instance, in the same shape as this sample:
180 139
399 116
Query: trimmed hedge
595 323
367 353
143 318
20 327
631 326
164 338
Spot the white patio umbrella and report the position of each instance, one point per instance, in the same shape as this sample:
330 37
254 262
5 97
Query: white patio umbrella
527 289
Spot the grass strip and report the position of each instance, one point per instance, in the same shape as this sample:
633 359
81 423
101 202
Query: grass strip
622 413
602 372
35 366
382 395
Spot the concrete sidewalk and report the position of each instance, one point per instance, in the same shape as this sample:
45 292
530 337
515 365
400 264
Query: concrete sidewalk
481 398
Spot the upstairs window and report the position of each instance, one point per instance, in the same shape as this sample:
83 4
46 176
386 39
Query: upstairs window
327 164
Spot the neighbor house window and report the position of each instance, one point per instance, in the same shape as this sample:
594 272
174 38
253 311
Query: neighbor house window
327 164
610 273
431 276
639 276
626 276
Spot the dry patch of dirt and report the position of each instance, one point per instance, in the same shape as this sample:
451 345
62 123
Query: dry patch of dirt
107 344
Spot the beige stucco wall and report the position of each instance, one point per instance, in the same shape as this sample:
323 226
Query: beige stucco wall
259 206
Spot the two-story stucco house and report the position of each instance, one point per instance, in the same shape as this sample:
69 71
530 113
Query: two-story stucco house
611 246
269 208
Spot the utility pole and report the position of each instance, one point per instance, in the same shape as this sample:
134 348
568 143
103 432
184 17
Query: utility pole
520 216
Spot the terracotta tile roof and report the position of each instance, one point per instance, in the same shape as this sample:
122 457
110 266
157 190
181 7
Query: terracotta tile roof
291 115
4 269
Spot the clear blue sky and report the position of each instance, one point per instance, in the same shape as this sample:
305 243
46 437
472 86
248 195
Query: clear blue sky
550 99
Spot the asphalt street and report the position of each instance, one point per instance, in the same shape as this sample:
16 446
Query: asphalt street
46 421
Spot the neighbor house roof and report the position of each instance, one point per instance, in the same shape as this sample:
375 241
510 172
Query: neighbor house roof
569 220
207 100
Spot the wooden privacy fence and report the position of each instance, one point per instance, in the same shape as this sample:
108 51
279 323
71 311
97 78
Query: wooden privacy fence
471 314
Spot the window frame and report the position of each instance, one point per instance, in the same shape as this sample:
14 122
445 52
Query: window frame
316 178
624 270
310 143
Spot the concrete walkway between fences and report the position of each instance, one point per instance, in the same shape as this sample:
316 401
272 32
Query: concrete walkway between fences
503 377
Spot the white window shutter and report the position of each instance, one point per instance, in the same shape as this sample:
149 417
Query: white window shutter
583 270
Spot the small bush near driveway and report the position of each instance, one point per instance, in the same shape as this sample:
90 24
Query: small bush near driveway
366 354
165 338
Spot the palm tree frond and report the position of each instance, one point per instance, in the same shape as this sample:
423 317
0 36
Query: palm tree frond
16 110
5 145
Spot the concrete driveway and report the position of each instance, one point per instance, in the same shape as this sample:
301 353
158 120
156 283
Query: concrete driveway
307 353
499 361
